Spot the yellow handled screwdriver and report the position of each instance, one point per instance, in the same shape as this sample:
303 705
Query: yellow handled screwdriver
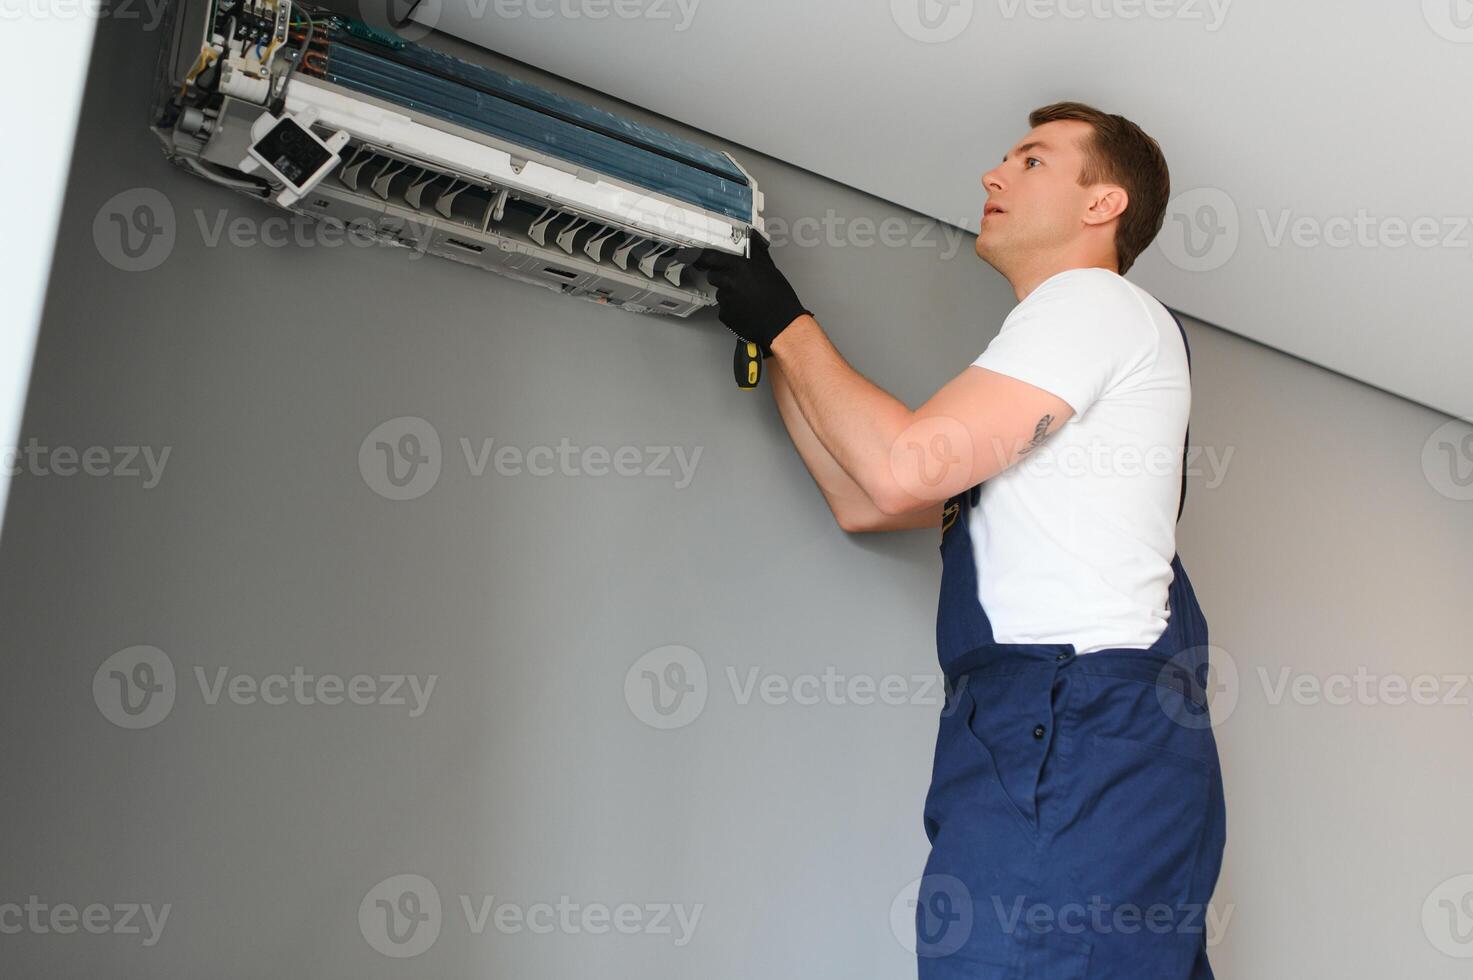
747 364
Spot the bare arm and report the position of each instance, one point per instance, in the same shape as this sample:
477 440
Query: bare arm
851 506
979 424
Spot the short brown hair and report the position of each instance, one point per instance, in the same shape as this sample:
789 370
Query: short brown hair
1120 153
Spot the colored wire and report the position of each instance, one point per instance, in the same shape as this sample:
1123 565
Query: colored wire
280 103
206 57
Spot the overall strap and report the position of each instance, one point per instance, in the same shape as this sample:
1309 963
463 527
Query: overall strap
1188 438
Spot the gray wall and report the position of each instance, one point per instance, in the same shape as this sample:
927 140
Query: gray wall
535 771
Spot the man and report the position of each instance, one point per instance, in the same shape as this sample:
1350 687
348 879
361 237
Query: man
1075 812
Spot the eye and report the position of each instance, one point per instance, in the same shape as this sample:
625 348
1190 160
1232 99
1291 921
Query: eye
1030 160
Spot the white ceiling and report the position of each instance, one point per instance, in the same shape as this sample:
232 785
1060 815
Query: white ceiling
1347 120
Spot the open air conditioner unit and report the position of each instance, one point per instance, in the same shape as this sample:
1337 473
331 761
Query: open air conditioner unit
333 118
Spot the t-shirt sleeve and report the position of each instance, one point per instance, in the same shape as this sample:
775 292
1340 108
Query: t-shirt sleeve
1076 337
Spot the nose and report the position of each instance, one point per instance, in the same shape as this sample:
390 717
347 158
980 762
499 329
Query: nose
992 180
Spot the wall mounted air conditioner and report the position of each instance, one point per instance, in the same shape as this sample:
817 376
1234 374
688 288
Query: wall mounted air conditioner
332 118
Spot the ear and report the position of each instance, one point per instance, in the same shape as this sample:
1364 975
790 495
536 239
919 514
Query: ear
1109 202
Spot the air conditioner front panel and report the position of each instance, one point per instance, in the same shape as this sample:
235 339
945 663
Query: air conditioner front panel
489 102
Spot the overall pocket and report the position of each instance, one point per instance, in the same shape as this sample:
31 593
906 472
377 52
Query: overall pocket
1009 726
1152 804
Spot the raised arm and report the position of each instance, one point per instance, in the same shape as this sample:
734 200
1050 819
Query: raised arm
852 507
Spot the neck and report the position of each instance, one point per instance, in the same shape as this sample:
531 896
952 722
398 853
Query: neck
1026 280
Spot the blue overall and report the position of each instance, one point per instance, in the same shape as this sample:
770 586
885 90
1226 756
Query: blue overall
1075 811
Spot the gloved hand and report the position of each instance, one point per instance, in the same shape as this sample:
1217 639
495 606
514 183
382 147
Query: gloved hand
756 300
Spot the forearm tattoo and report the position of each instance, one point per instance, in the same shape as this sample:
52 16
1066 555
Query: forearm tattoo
1039 431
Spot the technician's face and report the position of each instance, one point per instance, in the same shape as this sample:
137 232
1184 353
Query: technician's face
1037 188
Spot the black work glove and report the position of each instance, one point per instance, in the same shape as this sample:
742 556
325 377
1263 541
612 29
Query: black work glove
756 301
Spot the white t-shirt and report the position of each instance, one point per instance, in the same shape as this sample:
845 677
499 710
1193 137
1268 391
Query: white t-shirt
1074 543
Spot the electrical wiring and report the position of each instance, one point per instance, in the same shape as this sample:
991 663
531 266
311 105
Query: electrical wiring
280 103
221 179
206 57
